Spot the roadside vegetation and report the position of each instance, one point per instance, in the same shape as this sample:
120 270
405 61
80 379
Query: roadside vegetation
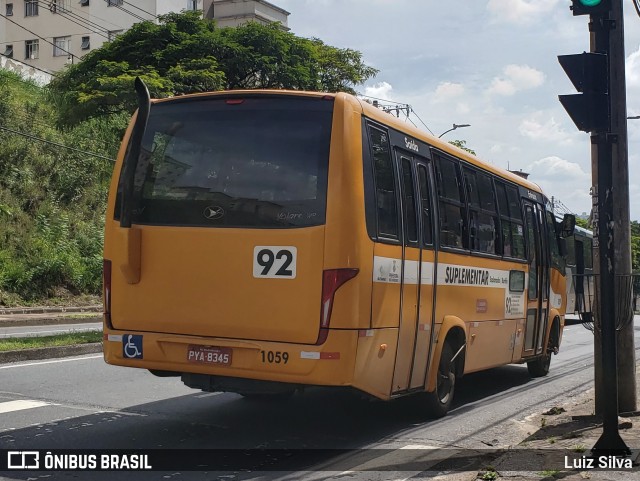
70 339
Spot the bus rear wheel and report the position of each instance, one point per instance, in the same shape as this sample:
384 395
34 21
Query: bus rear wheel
439 401
540 367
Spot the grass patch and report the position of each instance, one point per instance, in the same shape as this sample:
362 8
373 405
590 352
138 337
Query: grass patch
20 343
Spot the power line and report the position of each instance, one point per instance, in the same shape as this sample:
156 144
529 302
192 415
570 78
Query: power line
115 4
425 125
33 33
76 19
33 137
142 10
28 65
397 106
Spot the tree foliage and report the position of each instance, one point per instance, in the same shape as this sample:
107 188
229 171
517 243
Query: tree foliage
184 53
462 144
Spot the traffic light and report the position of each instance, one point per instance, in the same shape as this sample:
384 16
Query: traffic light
590 7
588 72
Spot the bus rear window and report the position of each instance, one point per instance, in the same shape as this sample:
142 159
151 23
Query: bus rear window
227 162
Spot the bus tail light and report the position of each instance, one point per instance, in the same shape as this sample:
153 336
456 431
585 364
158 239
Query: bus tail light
106 289
332 279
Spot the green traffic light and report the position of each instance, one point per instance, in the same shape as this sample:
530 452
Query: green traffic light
590 3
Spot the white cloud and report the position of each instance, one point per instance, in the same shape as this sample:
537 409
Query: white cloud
446 91
520 11
380 90
555 168
516 78
567 181
632 69
547 131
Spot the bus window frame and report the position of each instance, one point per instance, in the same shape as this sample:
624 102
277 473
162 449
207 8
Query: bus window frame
371 200
478 209
437 155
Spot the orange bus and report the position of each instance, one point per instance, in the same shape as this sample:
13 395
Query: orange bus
262 241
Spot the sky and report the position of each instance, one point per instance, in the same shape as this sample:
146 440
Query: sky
488 63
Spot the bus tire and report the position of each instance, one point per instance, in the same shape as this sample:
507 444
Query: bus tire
540 367
439 400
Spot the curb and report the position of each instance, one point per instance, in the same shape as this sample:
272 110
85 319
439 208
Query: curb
49 352
47 321
48 310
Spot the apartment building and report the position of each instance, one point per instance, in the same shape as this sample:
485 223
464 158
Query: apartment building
51 34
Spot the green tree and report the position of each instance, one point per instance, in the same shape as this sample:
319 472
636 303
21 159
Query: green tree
184 53
584 223
462 144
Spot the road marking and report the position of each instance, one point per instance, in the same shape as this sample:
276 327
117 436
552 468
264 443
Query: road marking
10 406
51 362
209 394
432 455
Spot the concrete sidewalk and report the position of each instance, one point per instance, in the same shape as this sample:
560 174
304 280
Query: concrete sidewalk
44 316
558 446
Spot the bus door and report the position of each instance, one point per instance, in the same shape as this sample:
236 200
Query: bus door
416 274
538 284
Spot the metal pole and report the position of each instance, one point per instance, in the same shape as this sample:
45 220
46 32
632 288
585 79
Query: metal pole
610 441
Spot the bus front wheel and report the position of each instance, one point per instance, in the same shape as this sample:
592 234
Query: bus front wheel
439 401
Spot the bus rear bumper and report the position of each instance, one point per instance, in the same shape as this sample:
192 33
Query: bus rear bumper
331 363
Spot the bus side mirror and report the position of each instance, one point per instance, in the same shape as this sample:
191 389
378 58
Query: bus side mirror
562 247
568 225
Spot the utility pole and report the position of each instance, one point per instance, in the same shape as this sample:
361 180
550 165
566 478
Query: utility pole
627 401
613 44
601 110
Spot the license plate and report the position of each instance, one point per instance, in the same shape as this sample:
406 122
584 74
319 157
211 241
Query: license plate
210 355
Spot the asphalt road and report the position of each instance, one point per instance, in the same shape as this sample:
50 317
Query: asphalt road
83 403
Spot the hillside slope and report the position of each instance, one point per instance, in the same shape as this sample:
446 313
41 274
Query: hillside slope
52 198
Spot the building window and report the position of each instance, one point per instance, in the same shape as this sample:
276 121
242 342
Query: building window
84 3
30 8
9 10
113 34
60 6
8 51
31 49
192 5
86 43
114 3
62 45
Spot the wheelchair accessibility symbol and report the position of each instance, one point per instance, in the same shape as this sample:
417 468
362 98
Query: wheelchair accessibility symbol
132 346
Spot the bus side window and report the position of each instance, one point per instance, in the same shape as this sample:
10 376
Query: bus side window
482 212
588 253
452 209
571 250
512 234
386 204
411 224
425 205
556 259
